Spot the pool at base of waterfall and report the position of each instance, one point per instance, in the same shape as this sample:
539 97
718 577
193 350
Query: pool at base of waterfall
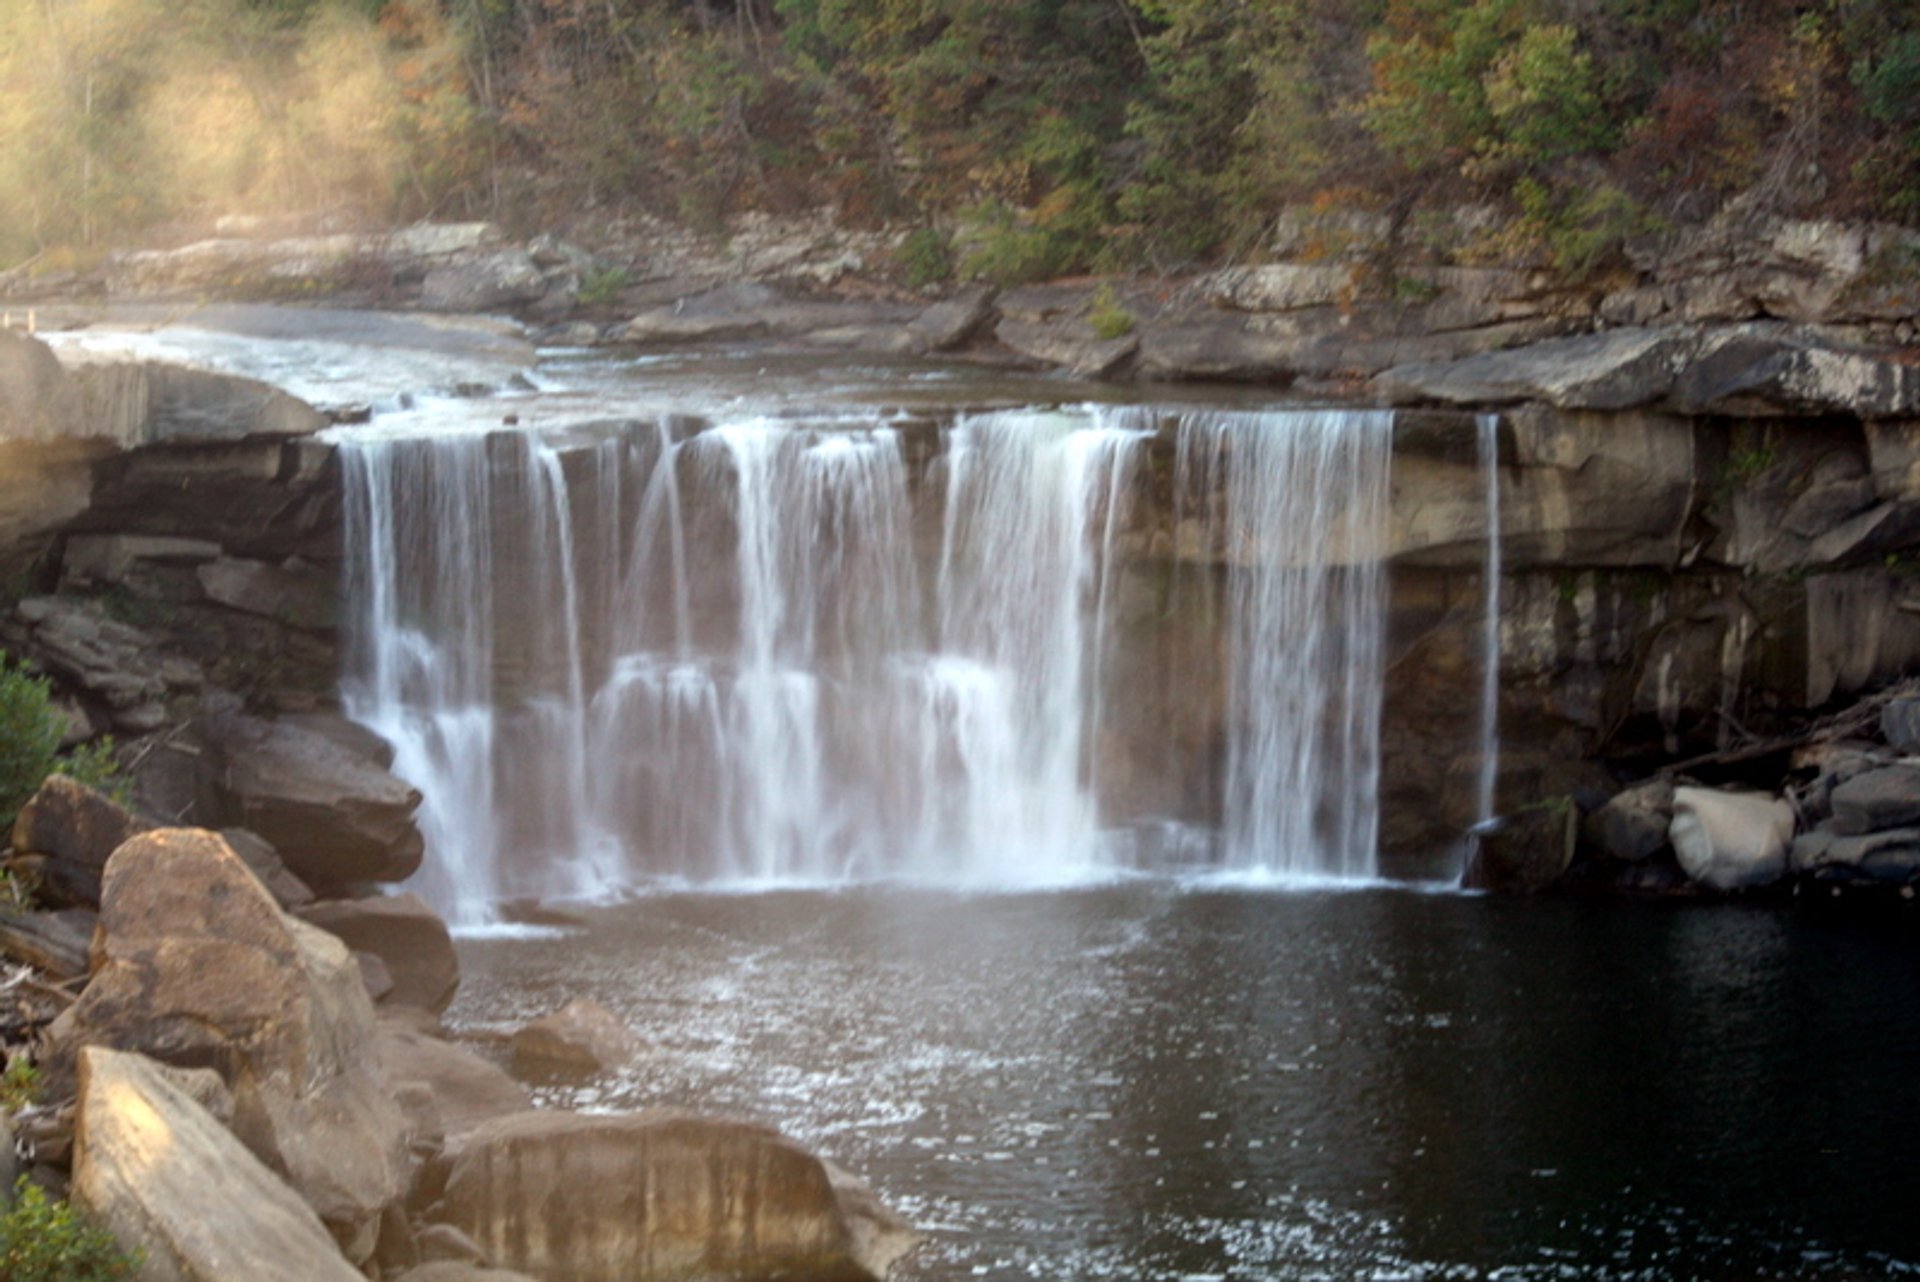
1151 1079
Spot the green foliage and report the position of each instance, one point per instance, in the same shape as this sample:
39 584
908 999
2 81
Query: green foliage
926 258
19 1082
30 733
1582 230
601 286
1004 246
42 1240
1107 317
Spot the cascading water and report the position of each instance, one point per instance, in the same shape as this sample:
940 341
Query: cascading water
1489 449
634 651
1298 511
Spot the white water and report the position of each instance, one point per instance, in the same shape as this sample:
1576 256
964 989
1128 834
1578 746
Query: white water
620 655
1489 449
1303 528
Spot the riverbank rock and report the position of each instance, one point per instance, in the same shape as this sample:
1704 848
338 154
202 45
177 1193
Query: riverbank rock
1729 840
446 1090
127 671
1528 850
56 943
1633 825
196 965
337 818
74 830
1876 800
658 1195
407 936
167 1179
581 1037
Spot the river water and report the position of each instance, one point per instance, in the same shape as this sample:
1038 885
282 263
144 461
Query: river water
1179 1075
1156 1079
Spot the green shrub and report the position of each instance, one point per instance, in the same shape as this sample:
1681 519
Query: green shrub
601 286
42 1240
19 1083
29 738
926 258
30 732
1108 319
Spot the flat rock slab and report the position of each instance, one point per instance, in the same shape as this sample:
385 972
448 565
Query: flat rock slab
167 1179
1877 800
407 936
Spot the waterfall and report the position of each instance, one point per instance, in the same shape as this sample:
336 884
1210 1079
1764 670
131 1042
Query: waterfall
645 650
1489 451
1296 505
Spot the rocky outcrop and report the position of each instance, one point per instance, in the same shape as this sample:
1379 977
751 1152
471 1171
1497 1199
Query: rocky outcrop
1730 840
196 966
168 1180
444 1089
73 830
410 940
337 819
659 1195
581 1037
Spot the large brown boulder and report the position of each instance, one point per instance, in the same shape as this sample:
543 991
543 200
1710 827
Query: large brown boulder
167 1179
581 1037
445 1089
337 818
198 967
75 829
659 1195
407 936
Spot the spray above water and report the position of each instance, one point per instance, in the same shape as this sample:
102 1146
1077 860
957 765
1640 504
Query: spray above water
776 650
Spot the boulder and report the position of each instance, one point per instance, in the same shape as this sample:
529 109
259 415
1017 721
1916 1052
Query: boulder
1633 825
1068 344
1730 840
197 966
76 829
581 1037
455 1090
655 1195
1528 850
483 281
949 323
406 935
1893 855
459 1271
1887 797
443 1242
259 855
167 1179
337 818
1900 723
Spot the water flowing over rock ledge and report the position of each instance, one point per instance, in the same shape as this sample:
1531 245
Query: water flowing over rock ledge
1702 537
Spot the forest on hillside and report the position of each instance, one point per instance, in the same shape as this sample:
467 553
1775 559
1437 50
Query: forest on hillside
1022 138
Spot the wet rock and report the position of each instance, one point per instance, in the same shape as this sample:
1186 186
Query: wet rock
197 966
1730 841
76 830
581 1037
167 1179
1068 344
1886 797
406 935
1529 850
1632 826
1900 724
336 818
1892 855
657 1195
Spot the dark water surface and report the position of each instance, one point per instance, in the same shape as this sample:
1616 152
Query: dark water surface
1145 1081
